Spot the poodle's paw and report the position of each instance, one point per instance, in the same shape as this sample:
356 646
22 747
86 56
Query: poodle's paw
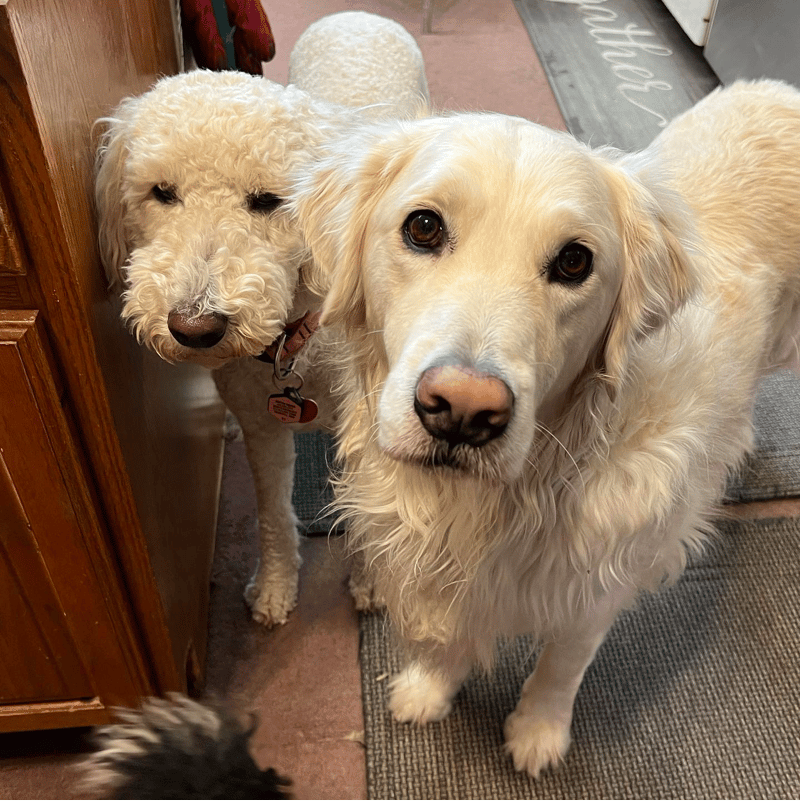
419 696
271 597
365 595
534 742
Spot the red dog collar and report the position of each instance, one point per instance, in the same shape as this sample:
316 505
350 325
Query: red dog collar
298 332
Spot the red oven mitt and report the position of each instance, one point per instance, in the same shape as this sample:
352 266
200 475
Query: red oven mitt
252 35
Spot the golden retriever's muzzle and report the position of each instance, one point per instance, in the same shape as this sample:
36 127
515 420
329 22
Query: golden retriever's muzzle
462 406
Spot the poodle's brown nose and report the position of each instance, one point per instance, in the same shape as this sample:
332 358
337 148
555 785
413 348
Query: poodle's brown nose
461 405
197 331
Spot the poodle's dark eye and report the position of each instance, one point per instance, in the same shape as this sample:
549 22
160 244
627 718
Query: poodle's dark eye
424 230
263 202
572 265
165 193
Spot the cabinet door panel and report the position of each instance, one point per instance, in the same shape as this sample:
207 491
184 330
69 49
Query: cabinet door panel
38 659
62 626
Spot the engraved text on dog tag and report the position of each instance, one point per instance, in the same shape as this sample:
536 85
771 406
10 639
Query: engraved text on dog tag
290 406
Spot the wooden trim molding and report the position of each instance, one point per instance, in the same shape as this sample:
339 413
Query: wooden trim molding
11 262
54 715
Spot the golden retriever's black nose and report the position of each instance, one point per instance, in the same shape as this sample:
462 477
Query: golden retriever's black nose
461 405
197 331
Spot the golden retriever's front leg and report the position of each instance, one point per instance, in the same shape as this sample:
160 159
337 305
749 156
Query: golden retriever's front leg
423 693
537 732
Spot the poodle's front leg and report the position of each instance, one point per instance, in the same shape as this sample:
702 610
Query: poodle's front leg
272 591
537 732
244 385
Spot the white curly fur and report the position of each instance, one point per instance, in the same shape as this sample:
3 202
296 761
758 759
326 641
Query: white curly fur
633 389
215 140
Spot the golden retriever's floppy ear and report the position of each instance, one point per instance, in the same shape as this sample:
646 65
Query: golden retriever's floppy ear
658 274
112 152
332 203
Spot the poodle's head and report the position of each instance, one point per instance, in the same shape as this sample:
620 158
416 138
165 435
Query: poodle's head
190 186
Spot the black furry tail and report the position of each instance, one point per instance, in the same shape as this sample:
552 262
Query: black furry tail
178 748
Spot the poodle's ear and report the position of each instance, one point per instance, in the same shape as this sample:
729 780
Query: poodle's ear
109 200
658 274
333 203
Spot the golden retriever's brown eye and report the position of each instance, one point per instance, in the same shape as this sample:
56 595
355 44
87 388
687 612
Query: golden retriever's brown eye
165 193
263 202
572 265
424 230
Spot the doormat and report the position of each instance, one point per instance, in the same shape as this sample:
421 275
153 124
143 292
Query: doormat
694 694
620 69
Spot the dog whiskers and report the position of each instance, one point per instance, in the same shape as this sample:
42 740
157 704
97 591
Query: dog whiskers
545 430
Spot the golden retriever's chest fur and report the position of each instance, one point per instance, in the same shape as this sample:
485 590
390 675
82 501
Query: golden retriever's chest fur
446 549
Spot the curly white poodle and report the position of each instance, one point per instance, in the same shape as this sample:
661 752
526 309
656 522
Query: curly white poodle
190 186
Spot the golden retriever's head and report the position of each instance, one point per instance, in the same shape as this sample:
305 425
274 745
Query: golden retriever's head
481 265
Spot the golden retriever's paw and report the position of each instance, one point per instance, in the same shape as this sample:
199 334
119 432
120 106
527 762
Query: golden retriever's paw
535 743
365 596
418 696
271 598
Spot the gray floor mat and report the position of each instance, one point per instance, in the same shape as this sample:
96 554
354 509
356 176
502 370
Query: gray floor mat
695 694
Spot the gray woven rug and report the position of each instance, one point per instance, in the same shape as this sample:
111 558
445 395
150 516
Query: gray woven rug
312 492
773 471
695 694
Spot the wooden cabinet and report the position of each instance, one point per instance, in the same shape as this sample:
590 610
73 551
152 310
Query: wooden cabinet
65 625
109 458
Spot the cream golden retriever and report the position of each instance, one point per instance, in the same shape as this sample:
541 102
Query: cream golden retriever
551 363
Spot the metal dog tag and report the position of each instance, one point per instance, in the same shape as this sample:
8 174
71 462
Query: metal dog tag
290 406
